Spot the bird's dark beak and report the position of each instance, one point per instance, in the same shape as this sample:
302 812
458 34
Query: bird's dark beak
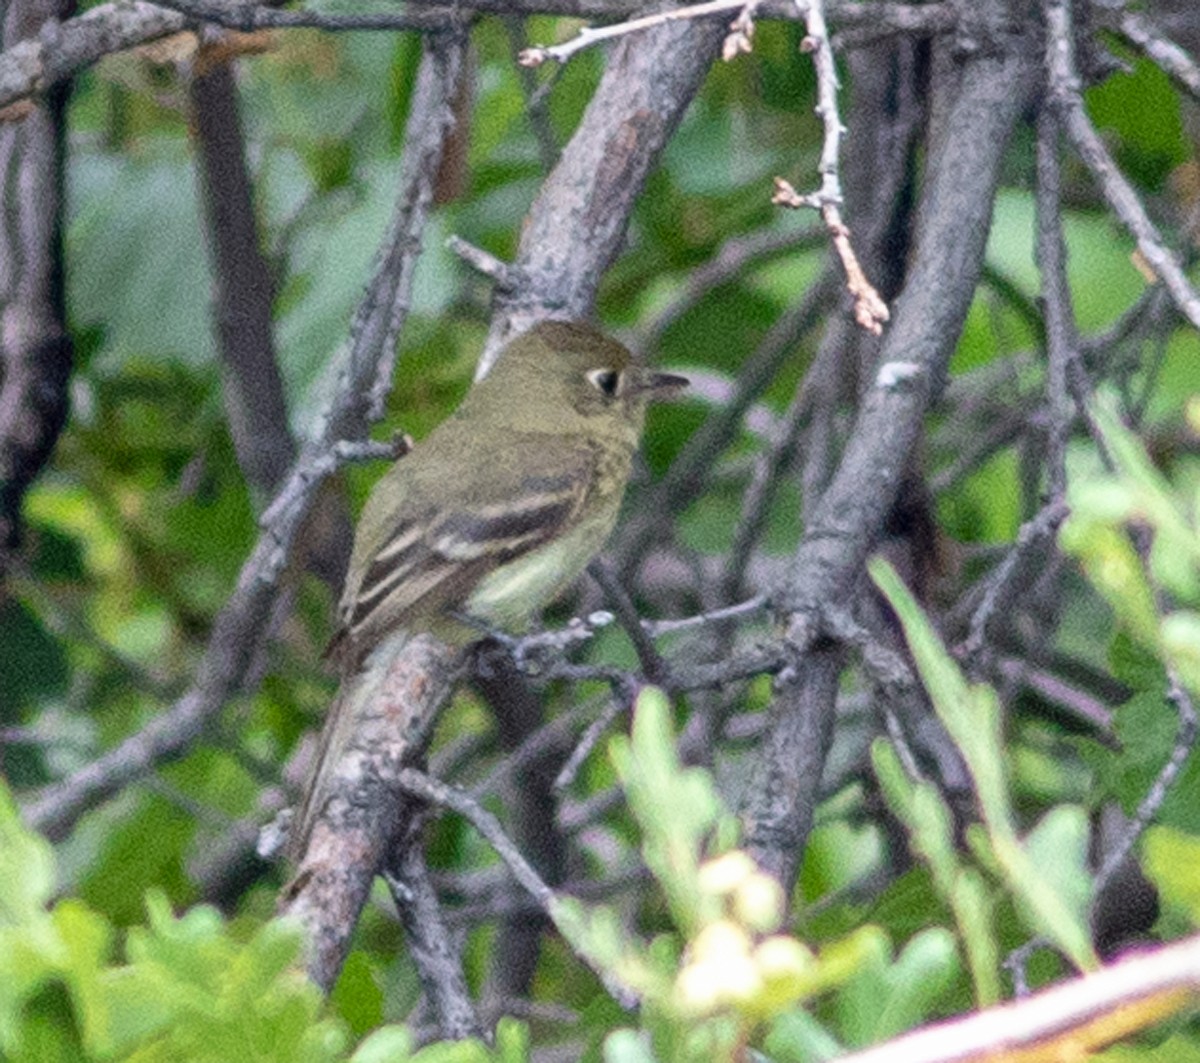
658 385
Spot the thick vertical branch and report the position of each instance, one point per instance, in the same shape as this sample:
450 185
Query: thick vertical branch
382 723
783 798
243 296
242 286
35 350
577 223
982 108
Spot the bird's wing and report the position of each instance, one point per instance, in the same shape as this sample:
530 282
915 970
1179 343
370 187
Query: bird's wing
447 537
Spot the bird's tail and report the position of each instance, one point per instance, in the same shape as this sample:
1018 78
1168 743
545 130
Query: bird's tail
351 724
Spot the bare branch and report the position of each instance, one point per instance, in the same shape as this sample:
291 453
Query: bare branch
35 348
1121 197
1185 741
590 35
870 311
242 287
1002 585
1139 29
354 810
35 65
480 260
247 17
713 616
438 793
982 106
430 943
731 263
884 17
242 624
39 63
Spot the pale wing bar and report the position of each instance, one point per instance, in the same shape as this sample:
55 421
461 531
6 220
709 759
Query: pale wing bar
418 557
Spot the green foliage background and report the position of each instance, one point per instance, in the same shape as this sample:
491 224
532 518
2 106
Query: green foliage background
137 532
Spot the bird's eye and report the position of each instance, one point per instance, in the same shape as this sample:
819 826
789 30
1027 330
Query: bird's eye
607 381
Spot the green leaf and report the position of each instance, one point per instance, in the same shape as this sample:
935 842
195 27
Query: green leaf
26 867
627 1046
389 1044
512 1041
675 808
1181 645
1058 846
1170 859
86 937
797 1037
357 995
916 982
1142 109
453 1052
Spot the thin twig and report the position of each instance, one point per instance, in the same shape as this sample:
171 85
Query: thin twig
730 264
768 470
870 311
655 628
420 785
591 35
588 741
1137 28
1066 99
1062 335
1001 586
1185 740
653 666
480 260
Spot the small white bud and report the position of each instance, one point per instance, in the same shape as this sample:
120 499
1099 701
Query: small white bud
759 902
781 957
723 874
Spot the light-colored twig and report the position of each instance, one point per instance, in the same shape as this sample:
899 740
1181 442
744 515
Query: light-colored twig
661 627
870 311
591 35
893 18
1069 1021
480 260
1140 31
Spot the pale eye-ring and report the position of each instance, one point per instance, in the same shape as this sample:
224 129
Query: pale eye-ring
607 381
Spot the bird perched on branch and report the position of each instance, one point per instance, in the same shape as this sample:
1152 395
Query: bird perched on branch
499 509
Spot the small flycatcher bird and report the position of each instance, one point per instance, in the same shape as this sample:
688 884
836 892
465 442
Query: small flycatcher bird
499 509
